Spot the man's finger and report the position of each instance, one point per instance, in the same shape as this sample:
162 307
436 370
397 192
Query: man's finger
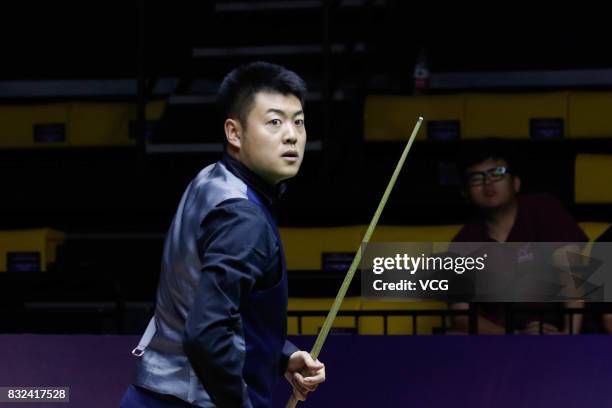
311 364
318 378
298 382
308 385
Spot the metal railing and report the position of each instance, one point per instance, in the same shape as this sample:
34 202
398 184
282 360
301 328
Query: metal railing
471 313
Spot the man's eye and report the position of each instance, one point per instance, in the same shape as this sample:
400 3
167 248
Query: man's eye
299 122
275 122
499 171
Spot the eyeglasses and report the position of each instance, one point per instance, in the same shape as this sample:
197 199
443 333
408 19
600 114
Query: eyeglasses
477 178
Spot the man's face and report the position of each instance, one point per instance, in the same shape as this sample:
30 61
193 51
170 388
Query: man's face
493 192
272 145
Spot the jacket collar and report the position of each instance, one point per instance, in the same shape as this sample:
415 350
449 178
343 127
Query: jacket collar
270 193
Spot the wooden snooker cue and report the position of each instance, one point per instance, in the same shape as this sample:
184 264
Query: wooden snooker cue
329 320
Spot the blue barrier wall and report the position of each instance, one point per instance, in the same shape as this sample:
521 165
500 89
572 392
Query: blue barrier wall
363 371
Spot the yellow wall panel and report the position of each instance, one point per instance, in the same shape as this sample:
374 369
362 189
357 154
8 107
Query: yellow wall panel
87 123
106 124
44 241
508 115
590 114
17 122
394 117
304 246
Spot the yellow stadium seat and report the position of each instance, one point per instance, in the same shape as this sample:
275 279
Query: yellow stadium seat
593 179
594 229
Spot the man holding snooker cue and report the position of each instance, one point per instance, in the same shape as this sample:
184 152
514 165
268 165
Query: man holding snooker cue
218 336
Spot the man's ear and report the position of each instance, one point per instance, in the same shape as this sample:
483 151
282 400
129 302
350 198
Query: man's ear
516 180
233 133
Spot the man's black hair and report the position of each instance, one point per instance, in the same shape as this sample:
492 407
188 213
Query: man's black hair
236 94
475 152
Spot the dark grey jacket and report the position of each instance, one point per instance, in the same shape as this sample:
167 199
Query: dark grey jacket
220 316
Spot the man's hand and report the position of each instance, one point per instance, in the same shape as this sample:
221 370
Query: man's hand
304 374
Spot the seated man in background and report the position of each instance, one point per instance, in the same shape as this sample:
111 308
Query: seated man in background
491 185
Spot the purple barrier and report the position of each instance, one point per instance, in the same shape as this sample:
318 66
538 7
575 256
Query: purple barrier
363 371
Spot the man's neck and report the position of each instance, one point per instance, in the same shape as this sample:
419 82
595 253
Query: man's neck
499 222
